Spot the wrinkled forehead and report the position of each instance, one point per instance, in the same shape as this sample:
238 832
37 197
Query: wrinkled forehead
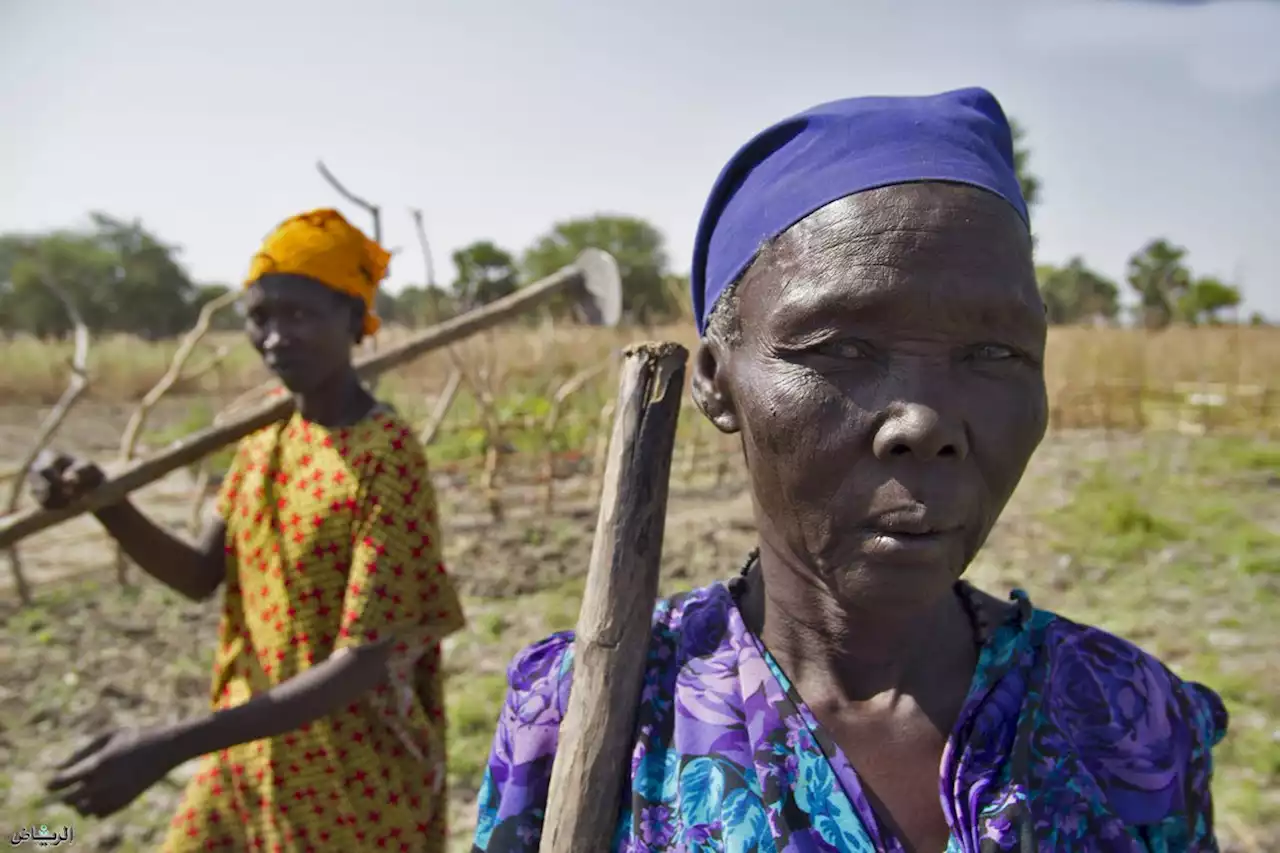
922 251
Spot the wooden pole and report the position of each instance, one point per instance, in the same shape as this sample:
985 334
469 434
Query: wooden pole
612 638
592 278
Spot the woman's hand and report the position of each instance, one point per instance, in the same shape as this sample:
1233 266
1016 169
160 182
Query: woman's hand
57 479
112 770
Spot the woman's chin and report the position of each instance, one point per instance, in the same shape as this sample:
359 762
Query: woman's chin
894 571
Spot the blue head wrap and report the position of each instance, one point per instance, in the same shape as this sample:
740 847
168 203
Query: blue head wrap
835 150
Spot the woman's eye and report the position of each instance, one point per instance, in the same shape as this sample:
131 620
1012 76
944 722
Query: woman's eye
841 349
993 352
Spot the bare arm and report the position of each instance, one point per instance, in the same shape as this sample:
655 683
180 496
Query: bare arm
195 570
313 693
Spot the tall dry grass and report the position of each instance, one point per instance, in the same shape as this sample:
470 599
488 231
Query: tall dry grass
124 368
1109 377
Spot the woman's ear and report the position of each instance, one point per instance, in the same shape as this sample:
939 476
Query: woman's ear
710 388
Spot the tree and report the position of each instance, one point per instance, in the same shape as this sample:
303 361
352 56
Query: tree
1161 281
422 306
679 293
1206 298
122 278
12 246
387 307
152 295
82 268
1029 183
638 247
1076 294
225 320
485 273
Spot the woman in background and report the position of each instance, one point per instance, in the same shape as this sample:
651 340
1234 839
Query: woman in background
327 725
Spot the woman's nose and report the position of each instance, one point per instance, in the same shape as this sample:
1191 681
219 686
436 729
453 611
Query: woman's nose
922 431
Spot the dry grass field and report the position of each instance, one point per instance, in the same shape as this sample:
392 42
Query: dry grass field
1078 358
1153 510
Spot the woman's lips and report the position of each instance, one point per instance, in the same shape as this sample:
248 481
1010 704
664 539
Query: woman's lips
907 531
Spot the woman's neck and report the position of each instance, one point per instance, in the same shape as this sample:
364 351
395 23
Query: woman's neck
338 404
859 649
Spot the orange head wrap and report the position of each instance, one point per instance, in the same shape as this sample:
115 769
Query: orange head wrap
322 245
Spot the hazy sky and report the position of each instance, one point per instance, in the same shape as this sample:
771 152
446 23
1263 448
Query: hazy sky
499 118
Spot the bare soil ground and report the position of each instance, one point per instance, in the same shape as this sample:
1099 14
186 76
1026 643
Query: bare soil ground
1173 543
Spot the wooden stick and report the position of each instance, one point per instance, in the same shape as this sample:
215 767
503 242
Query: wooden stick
427 261
138 420
432 427
612 638
571 386
18 526
372 209
76 387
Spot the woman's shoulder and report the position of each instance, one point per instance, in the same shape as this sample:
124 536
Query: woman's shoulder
541 672
1094 678
385 444
386 432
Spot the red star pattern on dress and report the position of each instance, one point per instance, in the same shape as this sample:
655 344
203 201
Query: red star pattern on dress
332 541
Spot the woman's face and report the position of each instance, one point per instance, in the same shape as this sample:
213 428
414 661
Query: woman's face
302 329
887 384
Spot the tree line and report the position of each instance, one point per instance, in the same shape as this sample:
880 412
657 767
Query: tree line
1165 291
124 278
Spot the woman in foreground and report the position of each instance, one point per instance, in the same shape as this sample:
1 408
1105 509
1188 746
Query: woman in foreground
872 329
326 731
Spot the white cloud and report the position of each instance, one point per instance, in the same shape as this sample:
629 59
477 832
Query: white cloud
1231 47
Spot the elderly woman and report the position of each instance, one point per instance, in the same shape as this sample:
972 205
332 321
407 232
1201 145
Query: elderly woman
872 330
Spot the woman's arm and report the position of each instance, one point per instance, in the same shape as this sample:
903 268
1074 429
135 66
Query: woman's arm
314 693
194 570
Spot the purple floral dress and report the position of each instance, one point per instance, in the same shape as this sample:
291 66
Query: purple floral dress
1070 739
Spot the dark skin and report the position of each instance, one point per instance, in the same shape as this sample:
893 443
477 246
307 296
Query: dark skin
304 332
900 332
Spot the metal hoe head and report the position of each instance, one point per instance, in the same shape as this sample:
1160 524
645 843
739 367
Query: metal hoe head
601 295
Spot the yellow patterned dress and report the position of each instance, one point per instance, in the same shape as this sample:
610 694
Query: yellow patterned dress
332 541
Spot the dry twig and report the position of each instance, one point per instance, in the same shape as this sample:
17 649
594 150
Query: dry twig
432 427
427 261
482 390
601 451
372 209
138 420
76 386
571 386
375 213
